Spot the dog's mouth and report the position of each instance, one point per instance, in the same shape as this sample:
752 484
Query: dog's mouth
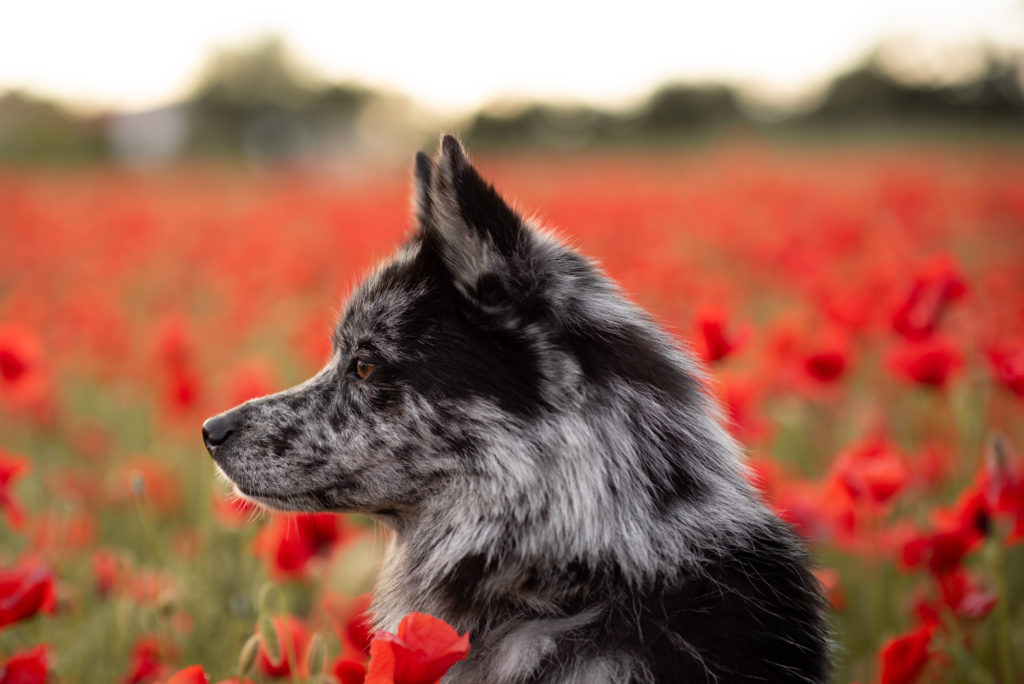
311 500
276 501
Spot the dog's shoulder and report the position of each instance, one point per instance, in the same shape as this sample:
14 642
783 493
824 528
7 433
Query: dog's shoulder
751 614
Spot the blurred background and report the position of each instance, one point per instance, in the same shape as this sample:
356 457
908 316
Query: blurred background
329 84
824 200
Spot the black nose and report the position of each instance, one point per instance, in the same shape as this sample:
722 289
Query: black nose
216 430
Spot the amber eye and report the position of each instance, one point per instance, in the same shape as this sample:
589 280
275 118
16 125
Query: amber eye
363 370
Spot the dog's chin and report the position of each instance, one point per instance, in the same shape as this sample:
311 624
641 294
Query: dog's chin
303 502
276 503
267 503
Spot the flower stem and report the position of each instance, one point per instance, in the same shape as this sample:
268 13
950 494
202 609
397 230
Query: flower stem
1002 611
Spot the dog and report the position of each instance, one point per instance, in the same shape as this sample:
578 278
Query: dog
558 481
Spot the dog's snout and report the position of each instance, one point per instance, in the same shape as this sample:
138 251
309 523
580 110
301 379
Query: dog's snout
216 430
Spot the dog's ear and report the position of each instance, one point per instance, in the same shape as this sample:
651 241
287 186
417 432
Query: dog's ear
424 176
470 227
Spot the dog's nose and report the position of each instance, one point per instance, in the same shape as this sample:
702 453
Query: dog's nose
216 430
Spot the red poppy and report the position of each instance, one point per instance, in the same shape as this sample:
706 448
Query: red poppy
25 592
1001 484
11 468
825 365
28 667
351 620
193 674
146 662
713 342
964 595
110 571
183 388
348 671
19 352
24 378
177 377
934 287
904 657
873 471
930 362
422 651
292 540
1007 365
827 356
292 639
741 398
940 551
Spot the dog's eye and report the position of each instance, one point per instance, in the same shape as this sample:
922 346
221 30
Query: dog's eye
363 370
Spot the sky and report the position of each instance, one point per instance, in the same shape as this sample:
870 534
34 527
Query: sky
454 55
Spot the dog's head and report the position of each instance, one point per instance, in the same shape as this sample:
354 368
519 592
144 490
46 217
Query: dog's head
451 366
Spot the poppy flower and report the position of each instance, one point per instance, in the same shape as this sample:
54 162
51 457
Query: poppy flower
827 357
110 571
11 468
193 674
873 471
713 341
292 540
25 592
24 378
292 637
964 595
351 621
934 287
940 551
1007 365
931 362
146 661
1001 483
422 651
348 671
28 667
173 353
741 397
903 658
20 351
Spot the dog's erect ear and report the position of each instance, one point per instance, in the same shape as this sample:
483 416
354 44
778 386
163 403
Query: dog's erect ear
424 175
477 235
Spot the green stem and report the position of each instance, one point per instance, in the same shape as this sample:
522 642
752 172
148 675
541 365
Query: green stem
961 655
1002 611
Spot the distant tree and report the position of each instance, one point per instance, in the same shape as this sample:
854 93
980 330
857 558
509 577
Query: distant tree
870 93
259 101
37 130
678 108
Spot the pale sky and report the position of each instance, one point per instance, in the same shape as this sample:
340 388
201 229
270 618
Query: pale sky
452 55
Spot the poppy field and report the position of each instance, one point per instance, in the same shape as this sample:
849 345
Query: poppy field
861 313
